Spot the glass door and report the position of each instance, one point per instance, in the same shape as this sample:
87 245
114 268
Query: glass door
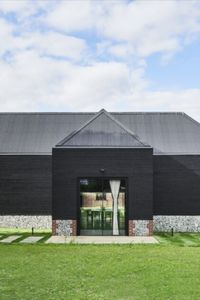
102 206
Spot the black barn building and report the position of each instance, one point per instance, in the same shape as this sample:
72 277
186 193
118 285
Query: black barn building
100 174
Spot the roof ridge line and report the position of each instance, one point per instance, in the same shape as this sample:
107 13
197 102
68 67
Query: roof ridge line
125 128
88 112
70 136
191 119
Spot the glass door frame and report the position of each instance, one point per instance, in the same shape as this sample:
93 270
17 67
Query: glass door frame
101 178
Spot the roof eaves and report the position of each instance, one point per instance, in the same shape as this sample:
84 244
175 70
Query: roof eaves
104 147
25 153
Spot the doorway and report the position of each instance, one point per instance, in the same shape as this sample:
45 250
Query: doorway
102 206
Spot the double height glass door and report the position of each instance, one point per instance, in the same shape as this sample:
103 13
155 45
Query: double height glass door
102 206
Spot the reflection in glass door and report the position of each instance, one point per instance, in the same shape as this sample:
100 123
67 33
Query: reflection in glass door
102 206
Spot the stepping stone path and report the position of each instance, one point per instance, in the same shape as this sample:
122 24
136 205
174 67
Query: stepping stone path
10 239
31 239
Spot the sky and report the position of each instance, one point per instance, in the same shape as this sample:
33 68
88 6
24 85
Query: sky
87 55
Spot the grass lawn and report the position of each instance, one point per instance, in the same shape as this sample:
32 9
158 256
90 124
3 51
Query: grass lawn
23 233
169 270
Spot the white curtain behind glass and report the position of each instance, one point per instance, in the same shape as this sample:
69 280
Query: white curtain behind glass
114 186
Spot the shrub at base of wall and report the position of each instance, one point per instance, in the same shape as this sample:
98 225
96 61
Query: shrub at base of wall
26 222
178 223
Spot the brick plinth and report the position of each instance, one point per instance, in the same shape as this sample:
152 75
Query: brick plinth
54 227
64 227
74 227
140 227
150 227
131 228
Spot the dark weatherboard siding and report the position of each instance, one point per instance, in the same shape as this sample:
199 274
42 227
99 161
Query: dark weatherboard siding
25 184
25 181
133 164
177 185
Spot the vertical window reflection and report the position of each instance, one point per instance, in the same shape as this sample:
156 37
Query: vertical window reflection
96 207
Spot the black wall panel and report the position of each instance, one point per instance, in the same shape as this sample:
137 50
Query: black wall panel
25 181
25 184
133 164
177 185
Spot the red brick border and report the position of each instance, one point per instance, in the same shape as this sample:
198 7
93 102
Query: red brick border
132 229
54 227
150 227
74 227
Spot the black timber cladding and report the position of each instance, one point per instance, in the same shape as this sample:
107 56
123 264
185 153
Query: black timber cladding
25 185
133 164
177 185
25 180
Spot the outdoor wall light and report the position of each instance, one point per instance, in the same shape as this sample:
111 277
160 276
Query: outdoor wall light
102 170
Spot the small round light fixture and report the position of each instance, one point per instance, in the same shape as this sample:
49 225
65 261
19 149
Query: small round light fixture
102 170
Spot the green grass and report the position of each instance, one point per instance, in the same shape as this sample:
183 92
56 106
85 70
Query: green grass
179 239
23 233
158 272
21 230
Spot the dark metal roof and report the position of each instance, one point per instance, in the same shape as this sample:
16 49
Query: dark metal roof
102 130
37 133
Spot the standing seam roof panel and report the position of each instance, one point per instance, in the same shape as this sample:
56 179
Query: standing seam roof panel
173 133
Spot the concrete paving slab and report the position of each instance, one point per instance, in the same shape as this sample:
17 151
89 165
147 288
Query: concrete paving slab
102 240
31 239
10 239
54 239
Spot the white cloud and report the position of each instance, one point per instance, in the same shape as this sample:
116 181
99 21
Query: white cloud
128 20
185 100
132 29
56 44
62 86
152 26
30 82
100 84
13 5
71 15
121 50
48 43
140 27
37 81
106 63
23 9
5 36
